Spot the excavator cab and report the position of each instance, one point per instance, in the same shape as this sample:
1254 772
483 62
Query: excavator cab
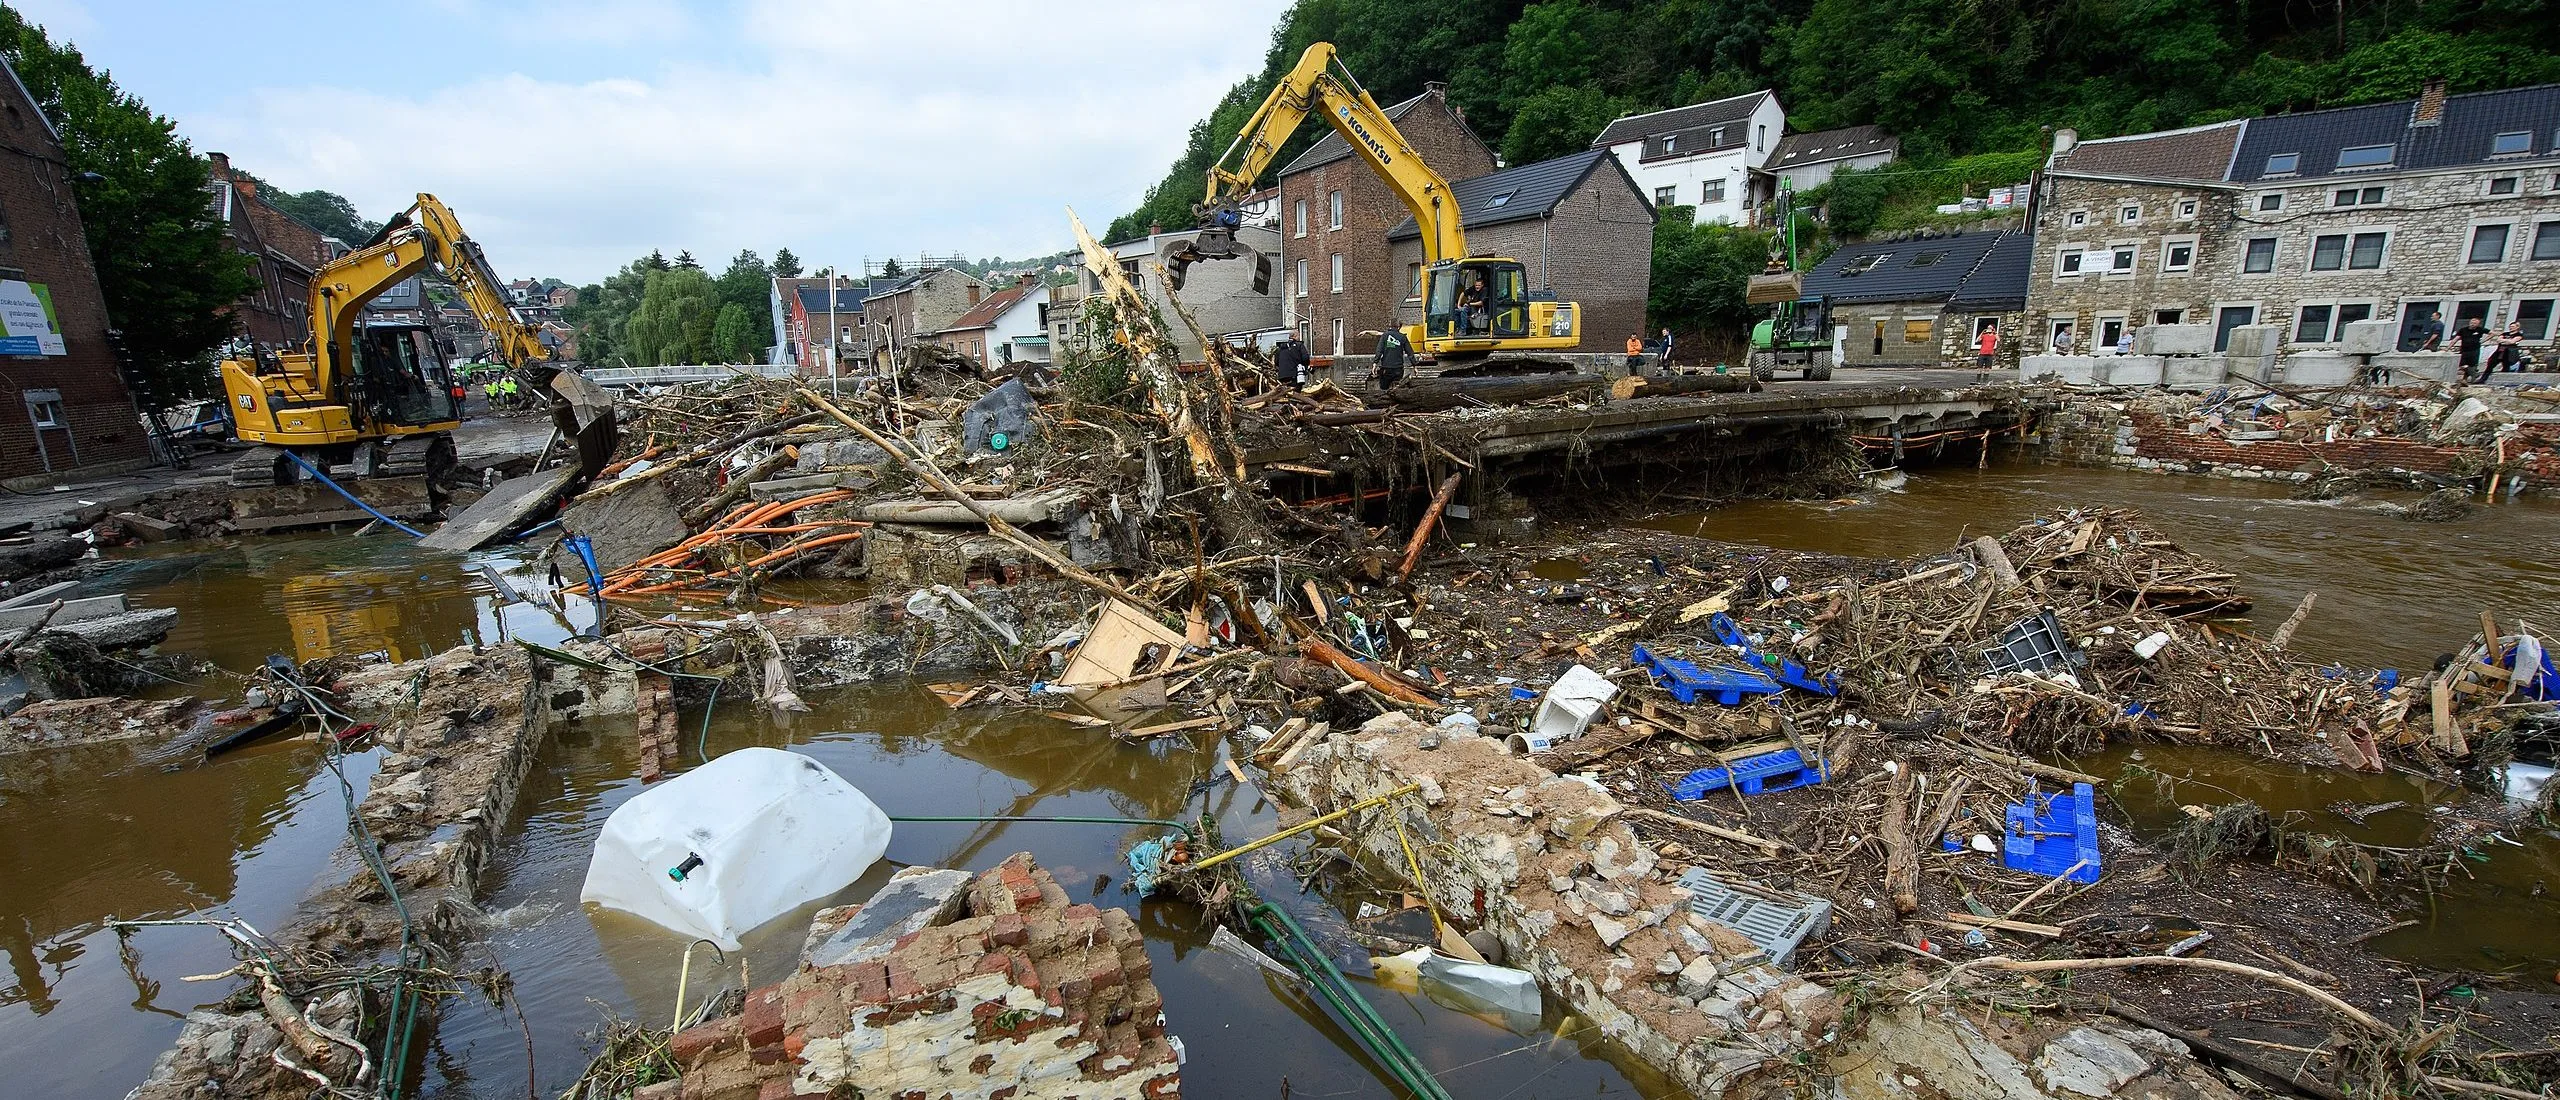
1476 298
405 379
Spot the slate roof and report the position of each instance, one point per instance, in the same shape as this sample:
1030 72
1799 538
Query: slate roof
2201 153
1519 194
1998 283
2459 138
813 299
1925 269
984 314
1696 116
1822 146
1331 147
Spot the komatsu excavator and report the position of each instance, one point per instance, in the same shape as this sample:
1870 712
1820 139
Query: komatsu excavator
377 395
1472 306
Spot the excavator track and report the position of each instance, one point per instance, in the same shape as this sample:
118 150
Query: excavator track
410 456
264 465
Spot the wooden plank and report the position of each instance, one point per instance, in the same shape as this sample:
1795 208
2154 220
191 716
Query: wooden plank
1173 727
511 503
1648 813
1970 921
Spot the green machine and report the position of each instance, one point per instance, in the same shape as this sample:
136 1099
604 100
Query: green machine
1797 335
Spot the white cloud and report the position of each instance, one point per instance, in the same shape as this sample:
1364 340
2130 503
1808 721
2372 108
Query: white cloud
849 128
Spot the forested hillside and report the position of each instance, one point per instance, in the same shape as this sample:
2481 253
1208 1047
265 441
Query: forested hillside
1951 77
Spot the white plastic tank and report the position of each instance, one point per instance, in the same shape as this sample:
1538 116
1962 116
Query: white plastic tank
724 848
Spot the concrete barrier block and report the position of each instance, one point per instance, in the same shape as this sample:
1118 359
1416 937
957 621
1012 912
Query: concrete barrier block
2193 372
2130 370
2317 368
2256 368
2254 341
2173 340
2369 337
2419 366
2074 370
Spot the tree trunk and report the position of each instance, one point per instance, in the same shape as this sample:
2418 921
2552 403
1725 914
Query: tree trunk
1435 394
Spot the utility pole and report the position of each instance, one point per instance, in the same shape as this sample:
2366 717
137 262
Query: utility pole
834 342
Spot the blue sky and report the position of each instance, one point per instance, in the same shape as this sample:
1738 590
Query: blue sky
573 135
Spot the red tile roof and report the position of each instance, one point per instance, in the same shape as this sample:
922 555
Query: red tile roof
984 314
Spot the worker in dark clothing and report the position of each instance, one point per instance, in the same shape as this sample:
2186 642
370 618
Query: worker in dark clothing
1289 361
2429 334
1394 355
2466 344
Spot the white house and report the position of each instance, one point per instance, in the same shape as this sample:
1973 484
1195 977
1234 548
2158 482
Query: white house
1706 155
1806 161
1004 327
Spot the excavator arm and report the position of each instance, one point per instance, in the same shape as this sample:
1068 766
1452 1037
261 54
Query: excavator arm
424 235
1320 85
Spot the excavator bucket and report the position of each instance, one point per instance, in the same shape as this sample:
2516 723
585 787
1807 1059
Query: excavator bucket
1773 288
1212 243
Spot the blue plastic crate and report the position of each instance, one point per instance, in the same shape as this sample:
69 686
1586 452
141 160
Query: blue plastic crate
1769 772
1687 682
2047 834
1779 669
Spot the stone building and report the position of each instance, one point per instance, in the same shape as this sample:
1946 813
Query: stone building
1922 299
2393 211
1335 265
285 254
70 409
1576 222
928 301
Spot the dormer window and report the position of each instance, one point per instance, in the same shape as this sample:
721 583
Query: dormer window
1715 137
1926 259
1500 199
2510 144
2283 164
1670 143
1865 264
2366 156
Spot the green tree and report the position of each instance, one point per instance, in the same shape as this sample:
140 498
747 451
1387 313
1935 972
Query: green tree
889 270
734 338
685 259
1558 121
785 264
673 323
165 265
1700 273
326 211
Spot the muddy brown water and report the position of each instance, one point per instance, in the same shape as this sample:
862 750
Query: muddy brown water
91 834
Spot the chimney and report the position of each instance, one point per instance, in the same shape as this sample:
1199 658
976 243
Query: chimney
221 164
2430 109
2064 140
248 188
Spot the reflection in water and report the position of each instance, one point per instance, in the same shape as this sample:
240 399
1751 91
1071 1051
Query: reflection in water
2392 592
914 756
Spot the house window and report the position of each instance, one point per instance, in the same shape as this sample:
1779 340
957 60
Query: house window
1413 280
2333 251
1302 278
1333 203
2311 325
1864 264
46 413
2546 241
2178 255
2076 218
2120 259
2357 196
2511 143
1671 142
2066 263
2489 243
2270 203
2533 315
2130 214
1664 196
2186 209
2261 257
1302 217
1926 259
1338 327
2365 156
2283 164
2503 185
1711 192
2168 316
1760 140
2326 322
1337 273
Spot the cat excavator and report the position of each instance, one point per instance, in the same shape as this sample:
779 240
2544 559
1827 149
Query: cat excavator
1472 306
377 395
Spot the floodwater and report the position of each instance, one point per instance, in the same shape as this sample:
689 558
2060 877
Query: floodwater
94 834
2393 593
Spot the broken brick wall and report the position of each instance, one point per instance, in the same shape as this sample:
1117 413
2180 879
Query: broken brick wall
1018 995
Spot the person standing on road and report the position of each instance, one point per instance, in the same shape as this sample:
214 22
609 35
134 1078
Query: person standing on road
1635 355
1289 361
2466 345
1986 347
1394 354
1666 350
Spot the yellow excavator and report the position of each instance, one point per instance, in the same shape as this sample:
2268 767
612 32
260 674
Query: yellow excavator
374 394
1472 306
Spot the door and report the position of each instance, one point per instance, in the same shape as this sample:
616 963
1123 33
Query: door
1879 349
1338 327
2230 318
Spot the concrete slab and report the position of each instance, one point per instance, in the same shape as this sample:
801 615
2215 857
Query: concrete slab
2254 341
2173 340
510 503
2129 370
624 527
2420 366
311 504
2369 337
2072 370
132 628
95 607
2317 368
2193 372
912 900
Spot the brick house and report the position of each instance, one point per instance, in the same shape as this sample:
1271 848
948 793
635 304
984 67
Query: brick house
1922 300
2310 221
287 254
1711 155
1576 222
809 314
1336 271
70 410
906 308
1004 327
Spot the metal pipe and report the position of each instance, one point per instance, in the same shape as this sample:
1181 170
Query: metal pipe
1303 826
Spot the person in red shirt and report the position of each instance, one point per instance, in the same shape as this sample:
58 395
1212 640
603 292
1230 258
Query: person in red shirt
1987 347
